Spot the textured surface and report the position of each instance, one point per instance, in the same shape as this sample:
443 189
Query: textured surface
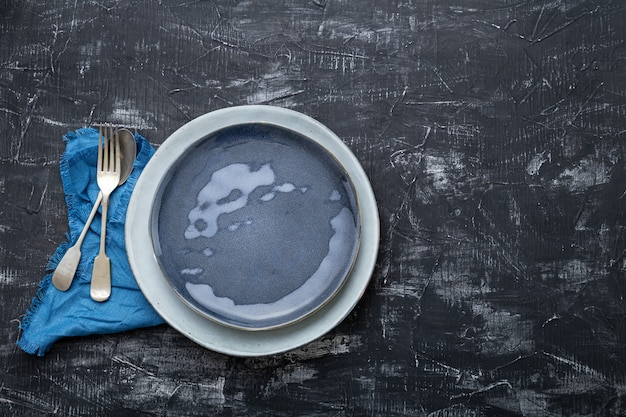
493 133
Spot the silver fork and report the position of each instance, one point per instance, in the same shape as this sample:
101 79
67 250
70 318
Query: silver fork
108 178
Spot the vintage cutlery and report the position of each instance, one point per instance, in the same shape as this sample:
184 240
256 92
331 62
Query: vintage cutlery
108 178
66 269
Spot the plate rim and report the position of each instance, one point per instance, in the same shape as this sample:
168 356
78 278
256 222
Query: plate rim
197 327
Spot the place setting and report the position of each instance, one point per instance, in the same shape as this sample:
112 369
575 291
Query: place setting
252 230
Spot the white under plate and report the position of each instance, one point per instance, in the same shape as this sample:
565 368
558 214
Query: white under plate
158 273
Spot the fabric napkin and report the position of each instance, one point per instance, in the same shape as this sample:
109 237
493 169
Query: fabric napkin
55 314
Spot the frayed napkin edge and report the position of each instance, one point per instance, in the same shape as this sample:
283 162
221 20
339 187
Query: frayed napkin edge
44 285
38 299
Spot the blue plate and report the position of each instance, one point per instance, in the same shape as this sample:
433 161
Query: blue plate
304 135
256 226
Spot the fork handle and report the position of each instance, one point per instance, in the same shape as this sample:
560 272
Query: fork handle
101 278
100 289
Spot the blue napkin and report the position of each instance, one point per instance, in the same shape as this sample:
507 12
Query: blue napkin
55 314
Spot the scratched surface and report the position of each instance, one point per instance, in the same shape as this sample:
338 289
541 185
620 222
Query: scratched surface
494 136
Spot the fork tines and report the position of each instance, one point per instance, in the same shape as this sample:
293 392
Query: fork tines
106 144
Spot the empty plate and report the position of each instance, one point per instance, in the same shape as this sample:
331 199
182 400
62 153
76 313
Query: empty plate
253 230
256 226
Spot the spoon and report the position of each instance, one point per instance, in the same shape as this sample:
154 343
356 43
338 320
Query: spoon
66 269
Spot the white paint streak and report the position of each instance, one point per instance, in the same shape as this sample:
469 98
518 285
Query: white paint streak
515 213
130 365
577 366
147 389
297 374
535 164
8 276
125 114
51 122
585 174
442 169
504 332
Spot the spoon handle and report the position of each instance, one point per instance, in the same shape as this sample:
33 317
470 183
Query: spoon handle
66 269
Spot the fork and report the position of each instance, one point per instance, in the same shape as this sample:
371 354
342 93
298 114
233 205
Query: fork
108 178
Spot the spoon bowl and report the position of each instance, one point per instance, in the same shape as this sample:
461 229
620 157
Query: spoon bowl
128 153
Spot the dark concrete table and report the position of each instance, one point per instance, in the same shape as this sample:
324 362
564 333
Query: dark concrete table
494 134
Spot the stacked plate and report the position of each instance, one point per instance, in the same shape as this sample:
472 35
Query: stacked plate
253 230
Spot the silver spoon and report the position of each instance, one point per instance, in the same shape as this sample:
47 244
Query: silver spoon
66 269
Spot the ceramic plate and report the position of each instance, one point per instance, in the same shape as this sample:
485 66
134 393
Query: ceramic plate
253 218
255 226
